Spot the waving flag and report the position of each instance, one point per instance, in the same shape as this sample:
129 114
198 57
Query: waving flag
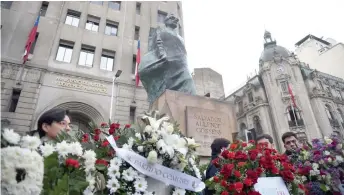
291 95
30 40
138 60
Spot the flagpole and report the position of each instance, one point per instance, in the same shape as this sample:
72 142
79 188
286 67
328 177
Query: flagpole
113 88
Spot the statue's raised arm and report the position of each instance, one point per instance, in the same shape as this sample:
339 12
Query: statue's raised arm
165 64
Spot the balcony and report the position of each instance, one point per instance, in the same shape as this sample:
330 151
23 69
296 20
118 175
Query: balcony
334 123
299 123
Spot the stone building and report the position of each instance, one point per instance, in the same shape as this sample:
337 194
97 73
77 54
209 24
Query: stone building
323 55
78 49
265 103
208 83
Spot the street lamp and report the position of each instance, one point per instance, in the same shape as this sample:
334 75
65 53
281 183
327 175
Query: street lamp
118 73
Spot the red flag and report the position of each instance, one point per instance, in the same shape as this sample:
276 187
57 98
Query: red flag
138 60
291 95
30 40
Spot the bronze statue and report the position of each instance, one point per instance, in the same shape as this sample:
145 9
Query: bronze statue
165 64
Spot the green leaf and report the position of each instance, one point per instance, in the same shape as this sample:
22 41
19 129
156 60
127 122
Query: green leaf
62 186
323 187
100 167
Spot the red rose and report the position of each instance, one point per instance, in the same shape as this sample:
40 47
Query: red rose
274 170
287 175
253 154
127 126
116 138
215 162
97 131
96 138
216 179
283 157
239 155
251 142
103 124
253 193
115 126
233 146
238 186
102 162
224 193
224 154
252 175
224 183
237 173
226 170
248 182
111 153
85 138
259 171
72 163
244 144
105 143
112 131
230 187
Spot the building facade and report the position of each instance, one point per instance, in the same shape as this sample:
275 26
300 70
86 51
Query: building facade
325 55
208 83
266 104
78 49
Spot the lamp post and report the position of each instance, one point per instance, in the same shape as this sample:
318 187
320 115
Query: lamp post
118 73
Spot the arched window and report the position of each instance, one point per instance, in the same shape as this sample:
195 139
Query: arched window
242 127
257 126
329 112
294 117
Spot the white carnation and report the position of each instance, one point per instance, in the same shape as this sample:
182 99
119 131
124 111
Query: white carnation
10 136
179 191
63 148
47 149
75 149
90 159
30 142
116 161
152 156
327 153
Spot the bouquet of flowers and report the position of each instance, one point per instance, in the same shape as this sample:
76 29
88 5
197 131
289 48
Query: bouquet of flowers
321 166
241 164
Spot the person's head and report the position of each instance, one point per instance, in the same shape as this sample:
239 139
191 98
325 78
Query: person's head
171 21
217 145
265 138
290 141
52 122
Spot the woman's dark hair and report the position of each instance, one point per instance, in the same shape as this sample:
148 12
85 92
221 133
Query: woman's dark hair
217 146
265 136
50 116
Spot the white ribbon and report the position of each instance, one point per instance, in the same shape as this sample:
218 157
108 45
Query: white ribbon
156 171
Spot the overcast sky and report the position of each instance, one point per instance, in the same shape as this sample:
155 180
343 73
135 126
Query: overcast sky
227 36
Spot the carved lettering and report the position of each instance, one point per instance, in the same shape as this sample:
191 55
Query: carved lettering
81 85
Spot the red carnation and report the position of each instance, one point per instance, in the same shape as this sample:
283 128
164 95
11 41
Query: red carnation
224 183
287 175
224 193
103 124
127 126
114 126
239 155
105 143
97 131
251 142
253 154
224 154
96 138
85 138
216 179
238 186
237 173
248 182
252 175
116 138
274 170
226 170
102 162
72 163
233 146
230 187
244 144
112 131
259 171
215 162
111 153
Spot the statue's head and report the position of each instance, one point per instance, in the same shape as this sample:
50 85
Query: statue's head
171 21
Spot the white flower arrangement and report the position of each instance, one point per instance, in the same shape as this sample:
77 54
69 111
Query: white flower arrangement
10 136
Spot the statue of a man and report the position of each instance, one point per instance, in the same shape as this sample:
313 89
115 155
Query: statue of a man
165 64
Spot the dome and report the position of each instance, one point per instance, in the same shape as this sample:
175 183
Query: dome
271 49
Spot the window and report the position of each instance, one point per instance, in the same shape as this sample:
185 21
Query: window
132 114
97 2
86 56
241 107
328 89
137 33
284 86
6 4
133 67
339 94
320 85
65 51
138 8
111 28
73 18
257 126
250 97
294 117
161 17
34 43
44 8
14 100
107 60
329 112
92 23
116 5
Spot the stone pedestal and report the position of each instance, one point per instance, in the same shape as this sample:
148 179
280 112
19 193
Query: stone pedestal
200 117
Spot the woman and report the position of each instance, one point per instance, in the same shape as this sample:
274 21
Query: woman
51 123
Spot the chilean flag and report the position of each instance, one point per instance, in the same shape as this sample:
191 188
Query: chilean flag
291 95
30 40
138 60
